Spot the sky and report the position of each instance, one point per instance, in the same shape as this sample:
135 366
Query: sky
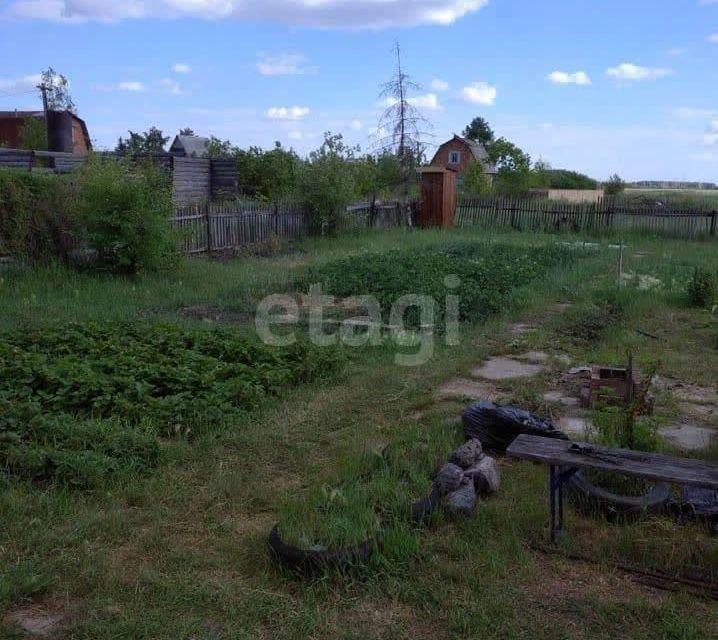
598 86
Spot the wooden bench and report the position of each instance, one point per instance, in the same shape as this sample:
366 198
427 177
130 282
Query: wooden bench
565 458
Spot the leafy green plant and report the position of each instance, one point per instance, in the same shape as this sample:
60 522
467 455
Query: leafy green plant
702 288
124 209
85 402
486 275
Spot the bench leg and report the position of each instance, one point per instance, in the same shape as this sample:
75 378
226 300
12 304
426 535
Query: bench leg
556 502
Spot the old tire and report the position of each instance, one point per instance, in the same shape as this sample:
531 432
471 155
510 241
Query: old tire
309 561
591 498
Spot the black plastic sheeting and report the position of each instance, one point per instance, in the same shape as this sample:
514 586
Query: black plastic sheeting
497 426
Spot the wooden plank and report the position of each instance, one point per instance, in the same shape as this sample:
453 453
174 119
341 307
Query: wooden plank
648 466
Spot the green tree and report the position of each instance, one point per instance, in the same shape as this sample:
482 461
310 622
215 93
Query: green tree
150 142
513 165
269 175
219 148
475 181
58 90
615 185
33 134
326 183
479 131
186 132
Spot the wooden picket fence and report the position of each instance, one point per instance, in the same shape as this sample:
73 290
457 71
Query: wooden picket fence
606 215
220 226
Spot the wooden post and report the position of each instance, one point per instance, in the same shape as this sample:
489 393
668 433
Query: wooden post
209 228
713 223
276 219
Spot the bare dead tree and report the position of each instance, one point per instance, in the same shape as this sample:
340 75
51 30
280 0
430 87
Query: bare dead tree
402 126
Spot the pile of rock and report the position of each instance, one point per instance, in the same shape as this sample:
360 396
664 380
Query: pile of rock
468 474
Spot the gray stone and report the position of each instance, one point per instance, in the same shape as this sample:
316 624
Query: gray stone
502 368
557 396
463 388
468 454
575 426
449 478
463 500
485 475
688 437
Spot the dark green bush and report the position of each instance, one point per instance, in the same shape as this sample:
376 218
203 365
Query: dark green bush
85 402
36 220
125 209
702 288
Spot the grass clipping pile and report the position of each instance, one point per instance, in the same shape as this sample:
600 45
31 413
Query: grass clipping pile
84 403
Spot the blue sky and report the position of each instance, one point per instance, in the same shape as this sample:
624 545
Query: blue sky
601 86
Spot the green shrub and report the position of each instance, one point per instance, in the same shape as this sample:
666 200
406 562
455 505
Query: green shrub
475 181
125 209
326 184
86 402
702 288
33 134
617 427
36 220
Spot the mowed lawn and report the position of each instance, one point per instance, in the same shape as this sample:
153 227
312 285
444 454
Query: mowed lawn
182 552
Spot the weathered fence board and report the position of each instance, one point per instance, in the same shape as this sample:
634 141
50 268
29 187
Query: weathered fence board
231 225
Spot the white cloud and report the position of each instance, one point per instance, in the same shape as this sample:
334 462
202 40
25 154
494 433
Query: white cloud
437 84
628 71
17 85
356 125
351 14
690 113
564 77
287 113
284 64
133 86
428 101
710 138
713 37
181 67
172 86
295 135
479 93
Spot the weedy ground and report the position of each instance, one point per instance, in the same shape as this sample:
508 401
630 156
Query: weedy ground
181 552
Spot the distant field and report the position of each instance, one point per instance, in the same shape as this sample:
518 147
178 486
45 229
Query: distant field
703 198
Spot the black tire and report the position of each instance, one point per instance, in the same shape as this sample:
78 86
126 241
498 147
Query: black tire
590 498
423 508
308 562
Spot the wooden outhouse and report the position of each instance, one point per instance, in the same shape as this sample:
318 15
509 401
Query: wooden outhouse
438 197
